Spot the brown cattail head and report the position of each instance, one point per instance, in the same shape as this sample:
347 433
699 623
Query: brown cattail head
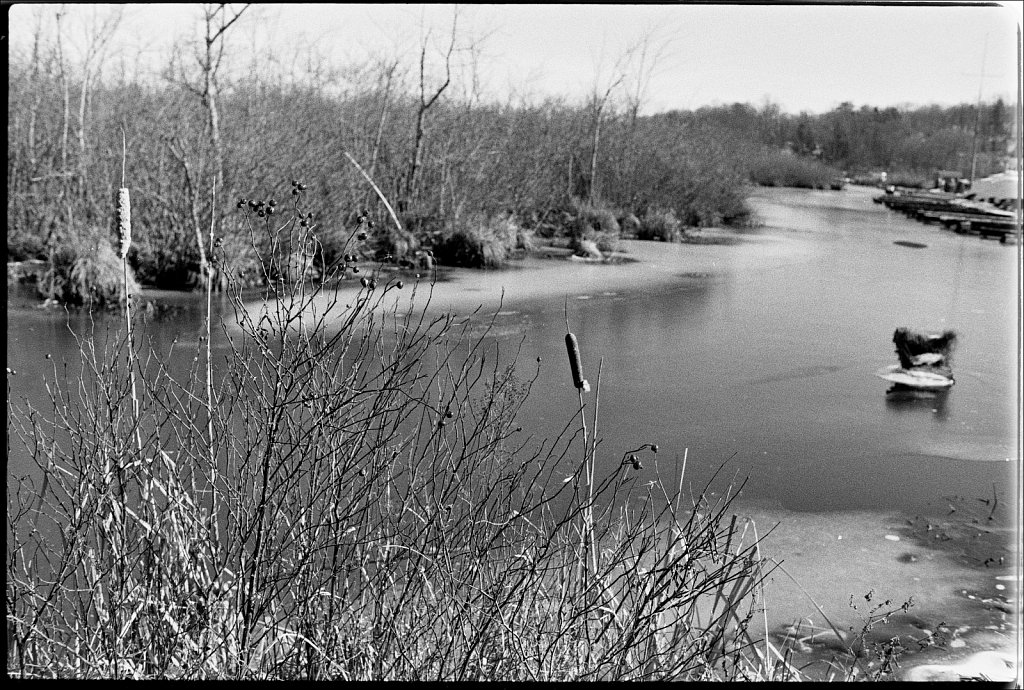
573 347
124 220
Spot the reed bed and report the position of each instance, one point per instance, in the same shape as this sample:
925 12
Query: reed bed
349 496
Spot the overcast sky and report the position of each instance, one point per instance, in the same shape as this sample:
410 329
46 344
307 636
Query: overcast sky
800 57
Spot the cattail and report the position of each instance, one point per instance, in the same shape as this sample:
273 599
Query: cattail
573 348
124 220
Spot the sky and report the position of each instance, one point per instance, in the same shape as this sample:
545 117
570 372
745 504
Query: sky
799 57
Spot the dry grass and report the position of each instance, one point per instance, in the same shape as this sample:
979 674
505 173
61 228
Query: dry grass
662 226
86 271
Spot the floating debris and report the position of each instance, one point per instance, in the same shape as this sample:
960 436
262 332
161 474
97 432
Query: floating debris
923 362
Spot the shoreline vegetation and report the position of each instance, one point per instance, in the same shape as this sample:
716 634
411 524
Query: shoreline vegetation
430 170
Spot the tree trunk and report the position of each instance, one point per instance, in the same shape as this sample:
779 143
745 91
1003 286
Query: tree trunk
380 122
417 161
192 191
213 121
592 187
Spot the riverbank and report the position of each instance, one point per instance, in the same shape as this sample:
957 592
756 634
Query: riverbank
627 251
550 276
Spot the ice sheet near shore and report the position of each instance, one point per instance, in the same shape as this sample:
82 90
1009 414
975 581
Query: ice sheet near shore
647 266
996 665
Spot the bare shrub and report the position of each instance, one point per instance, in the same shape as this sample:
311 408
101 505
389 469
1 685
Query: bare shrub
662 226
600 219
352 497
86 271
480 240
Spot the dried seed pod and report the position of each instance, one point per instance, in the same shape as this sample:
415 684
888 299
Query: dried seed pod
124 220
573 347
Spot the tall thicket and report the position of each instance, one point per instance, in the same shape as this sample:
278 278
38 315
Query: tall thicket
441 153
429 142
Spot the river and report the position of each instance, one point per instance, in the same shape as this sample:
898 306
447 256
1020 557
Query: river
760 355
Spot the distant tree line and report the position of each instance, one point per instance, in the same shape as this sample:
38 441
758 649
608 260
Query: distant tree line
917 140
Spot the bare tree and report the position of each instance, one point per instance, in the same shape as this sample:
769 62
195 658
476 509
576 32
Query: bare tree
65 90
38 98
192 192
217 19
632 70
97 40
425 103
387 69
646 56
598 105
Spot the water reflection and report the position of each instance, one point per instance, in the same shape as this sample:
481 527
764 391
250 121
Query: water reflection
901 400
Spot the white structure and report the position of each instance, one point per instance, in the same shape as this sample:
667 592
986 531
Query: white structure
1004 185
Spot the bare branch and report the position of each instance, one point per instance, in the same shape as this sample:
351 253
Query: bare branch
224 25
447 65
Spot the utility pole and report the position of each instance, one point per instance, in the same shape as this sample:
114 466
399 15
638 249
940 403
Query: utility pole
977 112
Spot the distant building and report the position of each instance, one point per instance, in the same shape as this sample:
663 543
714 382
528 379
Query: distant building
1002 187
